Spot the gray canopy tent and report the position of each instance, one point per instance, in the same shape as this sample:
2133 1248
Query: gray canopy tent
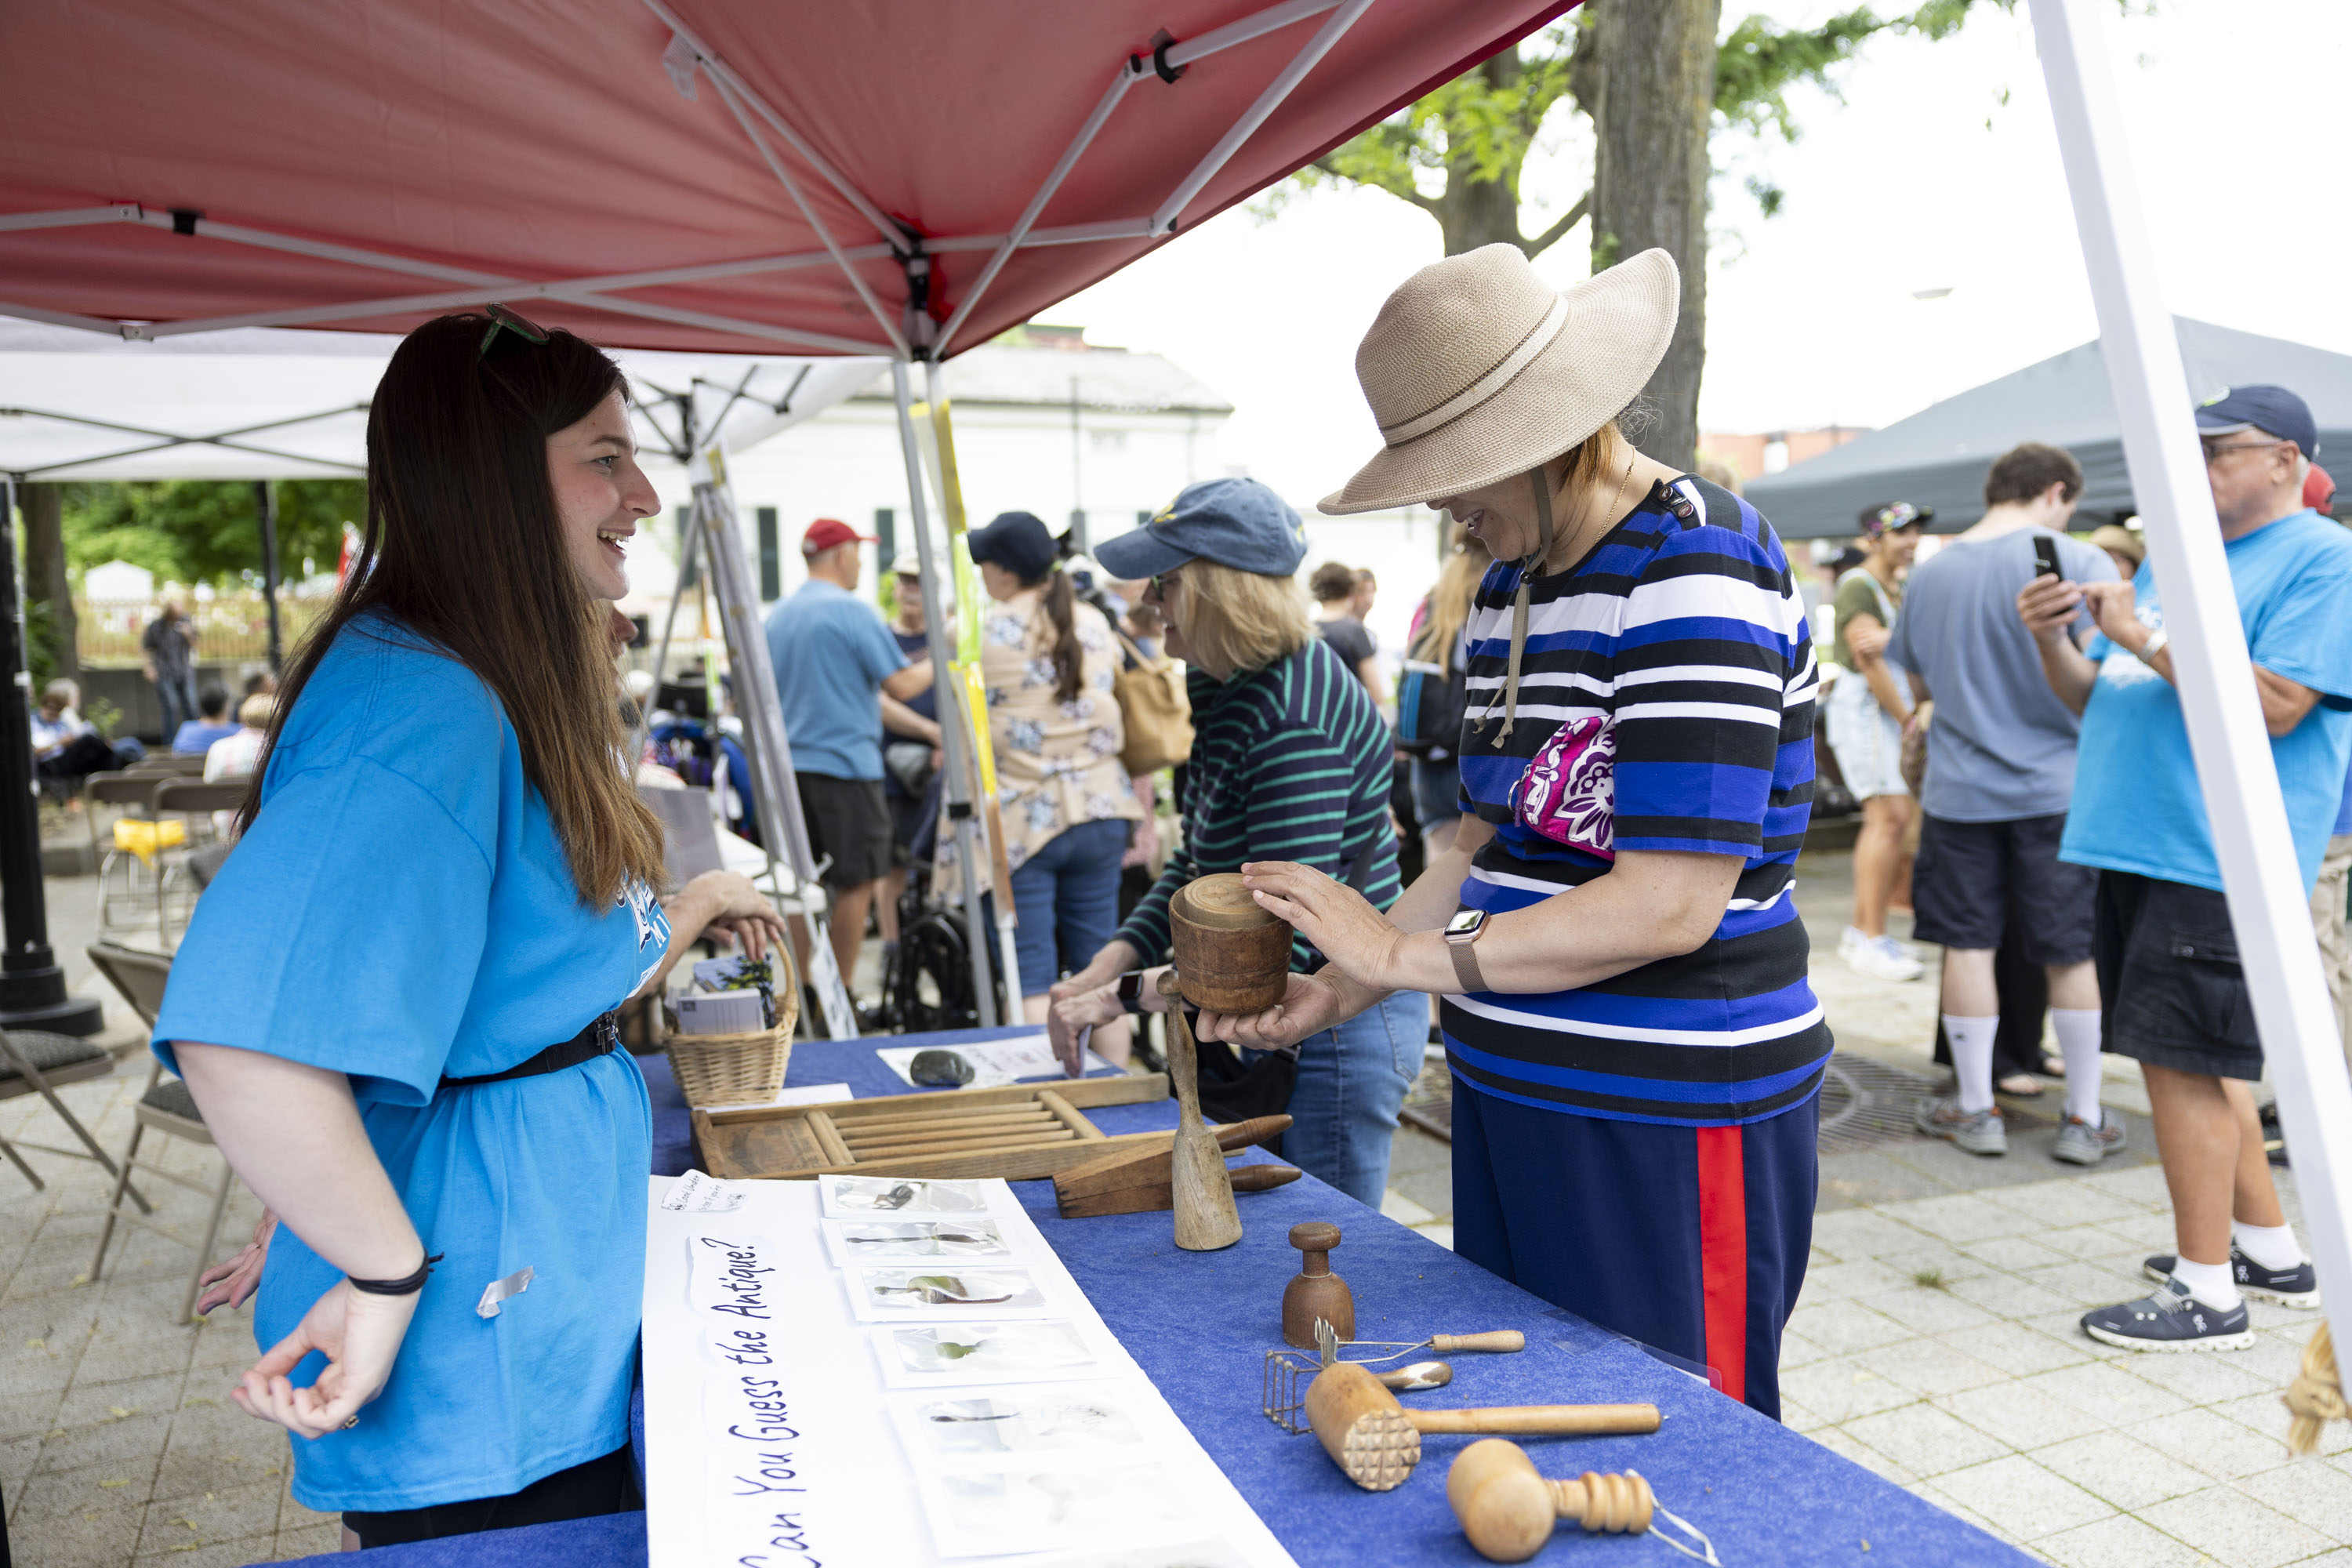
1938 457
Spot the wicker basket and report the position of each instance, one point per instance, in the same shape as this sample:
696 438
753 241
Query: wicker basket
738 1070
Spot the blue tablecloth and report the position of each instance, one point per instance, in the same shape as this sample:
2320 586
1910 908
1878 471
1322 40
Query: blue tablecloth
1200 1324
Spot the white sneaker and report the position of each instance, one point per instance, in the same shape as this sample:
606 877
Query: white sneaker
1852 942
1881 959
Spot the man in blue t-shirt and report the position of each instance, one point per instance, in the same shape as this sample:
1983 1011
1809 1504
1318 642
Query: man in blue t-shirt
212 723
834 659
2167 956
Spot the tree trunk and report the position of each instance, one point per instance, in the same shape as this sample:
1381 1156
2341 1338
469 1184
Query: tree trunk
45 572
1652 107
1474 211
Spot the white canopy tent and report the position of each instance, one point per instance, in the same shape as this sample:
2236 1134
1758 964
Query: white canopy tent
253 403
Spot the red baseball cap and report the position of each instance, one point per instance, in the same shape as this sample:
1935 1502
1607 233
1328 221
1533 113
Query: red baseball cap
830 533
2318 489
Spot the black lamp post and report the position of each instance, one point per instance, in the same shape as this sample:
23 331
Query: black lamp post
32 986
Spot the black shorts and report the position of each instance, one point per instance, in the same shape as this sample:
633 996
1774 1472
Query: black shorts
1972 879
2168 973
849 820
603 1486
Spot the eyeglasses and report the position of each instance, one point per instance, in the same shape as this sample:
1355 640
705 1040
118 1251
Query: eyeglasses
1161 582
2213 450
502 317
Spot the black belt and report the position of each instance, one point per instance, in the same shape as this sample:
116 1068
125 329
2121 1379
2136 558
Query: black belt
602 1035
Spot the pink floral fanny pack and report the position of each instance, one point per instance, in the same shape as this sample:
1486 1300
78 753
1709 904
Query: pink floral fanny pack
1568 793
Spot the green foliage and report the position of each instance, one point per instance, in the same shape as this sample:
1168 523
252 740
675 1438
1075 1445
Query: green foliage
1477 129
196 531
1759 61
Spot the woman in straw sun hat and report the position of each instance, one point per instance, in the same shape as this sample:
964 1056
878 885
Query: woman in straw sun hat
1620 963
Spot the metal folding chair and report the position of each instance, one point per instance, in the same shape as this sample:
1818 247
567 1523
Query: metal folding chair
190 802
33 1061
125 906
165 1107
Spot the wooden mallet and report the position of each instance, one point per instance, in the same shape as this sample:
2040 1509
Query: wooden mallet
1203 1187
1508 1509
1376 1442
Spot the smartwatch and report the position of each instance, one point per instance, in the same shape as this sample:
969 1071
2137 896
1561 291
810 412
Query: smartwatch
1463 928
1130 991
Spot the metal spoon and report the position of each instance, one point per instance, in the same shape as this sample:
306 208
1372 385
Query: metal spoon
1418 1375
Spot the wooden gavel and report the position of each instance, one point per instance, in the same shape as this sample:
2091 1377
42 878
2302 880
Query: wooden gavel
1376 1442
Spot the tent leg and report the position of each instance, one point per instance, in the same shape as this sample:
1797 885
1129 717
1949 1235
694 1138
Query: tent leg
32 986
955 728
2234 767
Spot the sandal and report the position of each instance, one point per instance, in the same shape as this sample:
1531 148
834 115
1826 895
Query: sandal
2053 1065
2022 1085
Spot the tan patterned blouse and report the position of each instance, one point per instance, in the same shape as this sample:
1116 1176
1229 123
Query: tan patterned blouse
1056 762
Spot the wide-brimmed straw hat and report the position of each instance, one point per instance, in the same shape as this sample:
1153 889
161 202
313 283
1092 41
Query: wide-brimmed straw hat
1477 370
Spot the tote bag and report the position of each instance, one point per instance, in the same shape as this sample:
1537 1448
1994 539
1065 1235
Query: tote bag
1153 707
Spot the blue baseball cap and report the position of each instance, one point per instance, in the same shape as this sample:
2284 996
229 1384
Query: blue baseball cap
2271 409
1234 522
1018 541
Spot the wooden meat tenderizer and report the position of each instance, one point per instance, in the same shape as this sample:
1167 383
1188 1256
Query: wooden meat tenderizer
1202 1188
1315 1293
1138 1181
1376 1442
1508 1509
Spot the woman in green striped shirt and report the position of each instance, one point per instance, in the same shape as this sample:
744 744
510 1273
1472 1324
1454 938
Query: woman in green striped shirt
1290 761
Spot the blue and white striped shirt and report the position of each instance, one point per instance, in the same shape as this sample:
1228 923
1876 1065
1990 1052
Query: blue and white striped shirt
1683 628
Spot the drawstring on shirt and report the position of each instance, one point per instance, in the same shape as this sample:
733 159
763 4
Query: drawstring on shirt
1519 612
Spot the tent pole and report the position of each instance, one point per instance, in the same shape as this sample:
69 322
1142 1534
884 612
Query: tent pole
959 775
265 506
2235 768
1008 957
32 986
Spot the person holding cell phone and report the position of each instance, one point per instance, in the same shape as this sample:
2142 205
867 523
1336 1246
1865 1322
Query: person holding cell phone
2000 773
2167 955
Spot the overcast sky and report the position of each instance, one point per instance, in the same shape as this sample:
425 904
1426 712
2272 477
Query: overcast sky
1938 170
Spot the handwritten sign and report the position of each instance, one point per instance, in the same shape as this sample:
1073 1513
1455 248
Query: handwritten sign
757 1494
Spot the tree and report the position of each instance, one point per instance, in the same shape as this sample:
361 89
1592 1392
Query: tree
49 627
1658 83
200 531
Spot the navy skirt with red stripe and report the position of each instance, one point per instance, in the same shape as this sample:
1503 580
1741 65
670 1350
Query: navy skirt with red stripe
1692 1240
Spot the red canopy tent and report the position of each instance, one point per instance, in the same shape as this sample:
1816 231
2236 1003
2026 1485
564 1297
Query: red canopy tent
689 174
710 174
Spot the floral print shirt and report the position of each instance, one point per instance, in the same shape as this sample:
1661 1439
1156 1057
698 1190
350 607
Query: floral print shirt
1056 763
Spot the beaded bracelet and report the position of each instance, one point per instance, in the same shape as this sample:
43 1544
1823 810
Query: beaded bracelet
407 1285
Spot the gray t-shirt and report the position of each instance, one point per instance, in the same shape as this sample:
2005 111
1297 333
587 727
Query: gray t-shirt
2003 746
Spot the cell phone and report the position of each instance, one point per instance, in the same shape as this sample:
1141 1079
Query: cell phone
2045 557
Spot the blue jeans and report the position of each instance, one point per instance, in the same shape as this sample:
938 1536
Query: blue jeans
1066 897
1351 1083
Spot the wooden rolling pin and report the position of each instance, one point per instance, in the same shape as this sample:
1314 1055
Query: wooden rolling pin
1376 1442
1508 1509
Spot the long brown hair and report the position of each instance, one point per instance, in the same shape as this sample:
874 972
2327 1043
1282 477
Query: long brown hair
1449 602
463 547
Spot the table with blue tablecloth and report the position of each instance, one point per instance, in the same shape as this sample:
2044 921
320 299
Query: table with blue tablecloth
1201 1323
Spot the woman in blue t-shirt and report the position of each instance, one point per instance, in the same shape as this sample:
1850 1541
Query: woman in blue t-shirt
395 1004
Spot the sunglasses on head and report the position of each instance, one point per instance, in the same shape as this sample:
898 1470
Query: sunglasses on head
504 319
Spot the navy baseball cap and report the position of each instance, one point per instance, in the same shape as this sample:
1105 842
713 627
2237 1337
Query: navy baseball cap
1018 541
2272 409
1234 522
